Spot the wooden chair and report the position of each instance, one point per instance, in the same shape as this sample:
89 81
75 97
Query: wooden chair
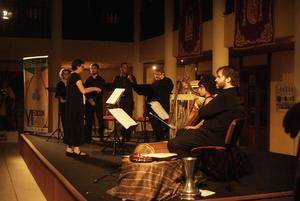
230 146
143 133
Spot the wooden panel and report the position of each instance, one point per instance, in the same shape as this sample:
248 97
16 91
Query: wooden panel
54 186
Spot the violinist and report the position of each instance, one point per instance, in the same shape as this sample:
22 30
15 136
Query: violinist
160 91
125 80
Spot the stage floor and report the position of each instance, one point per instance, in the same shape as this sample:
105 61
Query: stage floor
272 173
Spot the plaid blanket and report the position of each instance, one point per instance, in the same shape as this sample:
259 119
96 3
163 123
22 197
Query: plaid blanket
159 180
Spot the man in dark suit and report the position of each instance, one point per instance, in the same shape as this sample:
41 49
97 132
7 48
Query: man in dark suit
125 80
94 103
159 91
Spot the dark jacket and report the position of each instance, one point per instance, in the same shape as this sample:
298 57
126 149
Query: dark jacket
221 110
95 82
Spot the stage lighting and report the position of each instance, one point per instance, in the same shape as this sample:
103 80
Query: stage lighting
154 67
6 15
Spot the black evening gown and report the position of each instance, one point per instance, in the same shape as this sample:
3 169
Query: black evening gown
74 125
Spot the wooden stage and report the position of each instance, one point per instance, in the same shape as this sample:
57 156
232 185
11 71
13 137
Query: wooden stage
63 178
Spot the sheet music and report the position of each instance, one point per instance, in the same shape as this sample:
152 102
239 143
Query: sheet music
159 110
122 117
206 193
115 96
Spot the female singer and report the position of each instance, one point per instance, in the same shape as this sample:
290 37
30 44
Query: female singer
61 93
74 128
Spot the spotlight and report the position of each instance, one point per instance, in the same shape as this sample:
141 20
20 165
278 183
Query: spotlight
154 67
6 15
181 60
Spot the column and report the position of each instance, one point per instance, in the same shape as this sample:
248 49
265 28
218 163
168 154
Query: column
297 50
220 53
170 60
137 65
55 59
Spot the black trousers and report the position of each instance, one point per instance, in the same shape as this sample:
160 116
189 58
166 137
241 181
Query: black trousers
160 130
186 139
62 111
90 118
4 123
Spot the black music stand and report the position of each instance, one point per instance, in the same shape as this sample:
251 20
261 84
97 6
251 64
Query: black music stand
113 102
58 129
113 139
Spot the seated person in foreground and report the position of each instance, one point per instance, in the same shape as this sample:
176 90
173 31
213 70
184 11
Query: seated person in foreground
216 114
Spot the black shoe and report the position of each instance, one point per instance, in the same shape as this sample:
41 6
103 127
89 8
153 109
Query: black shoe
69 154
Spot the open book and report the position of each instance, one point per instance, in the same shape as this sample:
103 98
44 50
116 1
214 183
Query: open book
122 117
115 96
159 110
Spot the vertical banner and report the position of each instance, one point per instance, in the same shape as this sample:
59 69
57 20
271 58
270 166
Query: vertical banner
253 23
36 99
190 28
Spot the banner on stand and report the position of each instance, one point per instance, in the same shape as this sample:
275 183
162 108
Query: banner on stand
36 98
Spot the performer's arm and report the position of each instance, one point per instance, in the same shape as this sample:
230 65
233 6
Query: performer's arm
194 113
84 90
197 126
132 79
87 84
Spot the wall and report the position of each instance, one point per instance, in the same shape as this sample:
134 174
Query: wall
110 54
282 69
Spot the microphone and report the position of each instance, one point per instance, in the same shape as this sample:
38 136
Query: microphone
169 125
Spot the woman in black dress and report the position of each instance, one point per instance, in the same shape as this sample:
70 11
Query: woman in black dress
61 93
74 125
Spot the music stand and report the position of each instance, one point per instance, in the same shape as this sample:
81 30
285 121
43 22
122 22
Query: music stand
125 120
113 102
58 129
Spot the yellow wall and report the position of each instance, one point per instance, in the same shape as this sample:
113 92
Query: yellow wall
109 53
152 49
281 71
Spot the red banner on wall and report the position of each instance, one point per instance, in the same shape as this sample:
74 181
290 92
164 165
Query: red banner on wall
253 23
190 27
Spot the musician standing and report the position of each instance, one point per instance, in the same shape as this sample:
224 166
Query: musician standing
94 103
125 80
159 91
61 93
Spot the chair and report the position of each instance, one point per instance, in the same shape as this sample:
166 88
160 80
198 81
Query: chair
143 122
113 139
229 148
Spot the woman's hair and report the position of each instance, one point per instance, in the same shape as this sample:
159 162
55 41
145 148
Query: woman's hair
62 70
76 63
208 81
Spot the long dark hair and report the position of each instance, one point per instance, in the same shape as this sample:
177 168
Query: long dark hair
76 63
208 81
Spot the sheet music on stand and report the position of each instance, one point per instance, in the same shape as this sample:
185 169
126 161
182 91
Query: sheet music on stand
159 110
115 96
122 117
